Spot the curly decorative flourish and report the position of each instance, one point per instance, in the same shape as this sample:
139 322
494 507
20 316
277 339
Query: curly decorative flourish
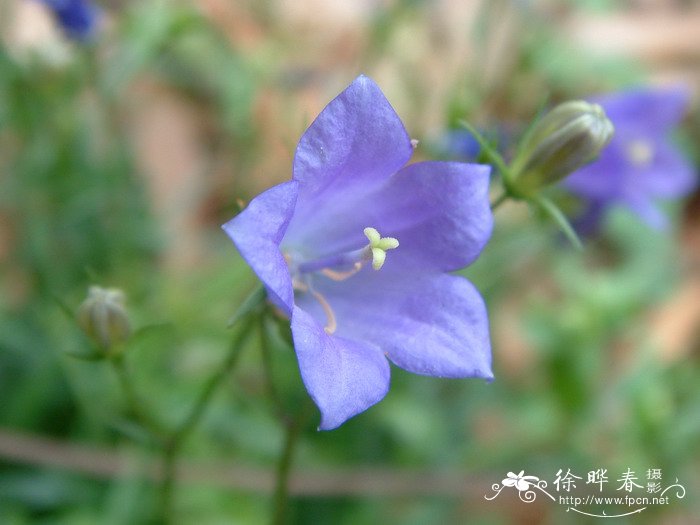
542 485
497 488
680 490
527 496
604 514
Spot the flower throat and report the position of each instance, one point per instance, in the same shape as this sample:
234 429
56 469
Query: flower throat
336 267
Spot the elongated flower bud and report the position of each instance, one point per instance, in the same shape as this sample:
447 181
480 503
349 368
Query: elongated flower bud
103 317
567 138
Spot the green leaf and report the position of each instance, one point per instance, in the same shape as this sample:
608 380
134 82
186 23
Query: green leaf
146 330
89 355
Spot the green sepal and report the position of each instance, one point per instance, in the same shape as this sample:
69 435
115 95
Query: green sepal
95 353
249 305
551 209
492 155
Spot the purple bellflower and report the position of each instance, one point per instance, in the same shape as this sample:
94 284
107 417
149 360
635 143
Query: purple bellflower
640 165
355 296
77 18
458 144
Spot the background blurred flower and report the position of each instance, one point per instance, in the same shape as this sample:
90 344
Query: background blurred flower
306 241
78 18
640 165
458 144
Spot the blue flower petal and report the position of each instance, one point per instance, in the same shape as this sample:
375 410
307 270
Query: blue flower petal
357 138
675 176
257 232
656 110
439 212
646 210
357 142
343 377
430 324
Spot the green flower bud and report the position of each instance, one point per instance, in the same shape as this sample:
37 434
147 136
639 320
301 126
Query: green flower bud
103 317
567 138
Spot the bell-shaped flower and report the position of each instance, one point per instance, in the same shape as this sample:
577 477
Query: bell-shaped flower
77 18
640 165
357 248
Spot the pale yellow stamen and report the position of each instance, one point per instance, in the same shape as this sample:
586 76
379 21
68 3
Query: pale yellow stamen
640 152
341 276
332 325
375 250
299 285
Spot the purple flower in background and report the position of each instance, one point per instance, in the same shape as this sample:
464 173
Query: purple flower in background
77 17
458 144
640 165
356 298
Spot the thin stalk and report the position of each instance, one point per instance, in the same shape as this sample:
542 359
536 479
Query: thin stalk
292 432
135 405
172 447
267 368
503 197
560 219
491 154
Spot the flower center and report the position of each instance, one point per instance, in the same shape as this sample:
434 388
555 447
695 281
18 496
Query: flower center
640 152
343 265
340 267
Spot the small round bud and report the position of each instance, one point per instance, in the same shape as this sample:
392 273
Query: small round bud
103 317
567 138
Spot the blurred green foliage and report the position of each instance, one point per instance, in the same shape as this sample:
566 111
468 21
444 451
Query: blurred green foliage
582 387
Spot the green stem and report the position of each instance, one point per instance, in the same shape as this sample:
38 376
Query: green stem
135 405
503 197
491 154
293 430
267 368
173 446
